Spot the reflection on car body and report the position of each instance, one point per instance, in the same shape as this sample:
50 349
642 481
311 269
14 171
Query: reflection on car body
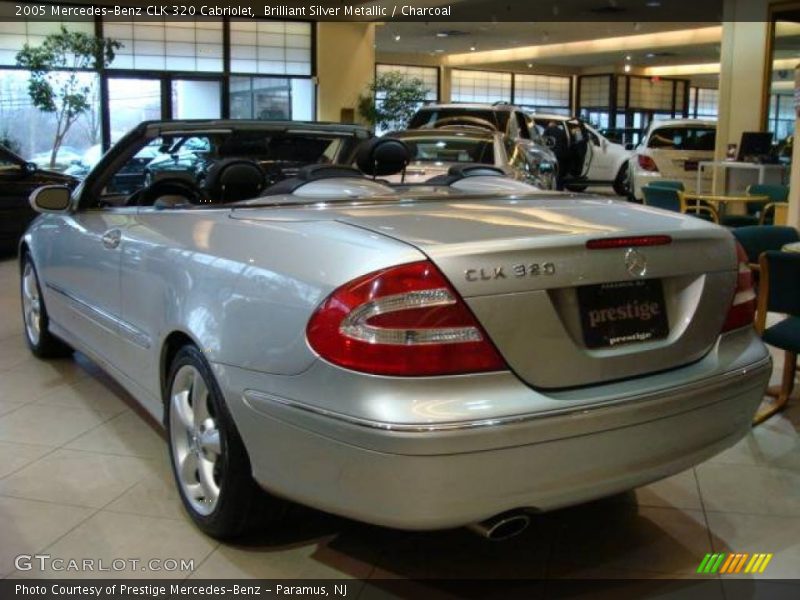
435 151
18 178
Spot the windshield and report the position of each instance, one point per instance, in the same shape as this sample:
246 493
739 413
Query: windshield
451 150
219 166
683 138
426 117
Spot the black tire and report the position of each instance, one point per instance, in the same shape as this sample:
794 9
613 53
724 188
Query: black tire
621 187
41 342
576 187
241 505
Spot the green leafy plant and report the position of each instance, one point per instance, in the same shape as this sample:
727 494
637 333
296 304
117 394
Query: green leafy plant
391 100
56 85
10 142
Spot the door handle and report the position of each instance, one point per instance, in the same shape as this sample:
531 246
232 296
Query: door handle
112 238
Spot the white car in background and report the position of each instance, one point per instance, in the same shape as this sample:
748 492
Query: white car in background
586 156
672 150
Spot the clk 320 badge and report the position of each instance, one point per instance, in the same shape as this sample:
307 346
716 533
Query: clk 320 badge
518 271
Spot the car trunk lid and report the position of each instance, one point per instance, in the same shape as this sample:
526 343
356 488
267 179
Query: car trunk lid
560 313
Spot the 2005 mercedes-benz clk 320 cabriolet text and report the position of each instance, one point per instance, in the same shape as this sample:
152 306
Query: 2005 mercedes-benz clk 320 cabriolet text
417 356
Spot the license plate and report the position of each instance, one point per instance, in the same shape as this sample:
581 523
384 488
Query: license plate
624 312
690 165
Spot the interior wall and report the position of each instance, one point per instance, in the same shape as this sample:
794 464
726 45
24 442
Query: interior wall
345 66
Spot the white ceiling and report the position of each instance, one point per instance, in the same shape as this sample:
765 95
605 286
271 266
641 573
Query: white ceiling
421 39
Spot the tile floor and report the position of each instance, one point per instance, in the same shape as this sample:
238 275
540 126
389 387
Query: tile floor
83 475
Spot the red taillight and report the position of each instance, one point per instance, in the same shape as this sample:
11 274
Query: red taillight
743 306
646 163
405 320
629 241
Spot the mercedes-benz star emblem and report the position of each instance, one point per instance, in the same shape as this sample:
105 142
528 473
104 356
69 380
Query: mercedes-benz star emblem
635 262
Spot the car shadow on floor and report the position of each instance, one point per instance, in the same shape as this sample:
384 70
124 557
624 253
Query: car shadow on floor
610 538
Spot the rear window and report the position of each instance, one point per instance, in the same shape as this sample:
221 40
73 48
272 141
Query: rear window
428 116
683 138
455 150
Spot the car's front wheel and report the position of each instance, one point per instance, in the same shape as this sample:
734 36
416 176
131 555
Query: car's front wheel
209 460
34 315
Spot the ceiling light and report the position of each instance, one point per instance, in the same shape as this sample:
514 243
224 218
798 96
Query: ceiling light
438 51
627 68
472 48
652 3
530 65
628 57
650 55
397 38
441 34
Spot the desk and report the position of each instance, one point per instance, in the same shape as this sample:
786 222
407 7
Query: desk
765 173
793 247
720 202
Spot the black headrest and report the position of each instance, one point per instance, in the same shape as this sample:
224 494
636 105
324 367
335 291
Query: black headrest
311 173
314 172
235 179
382 156
458 172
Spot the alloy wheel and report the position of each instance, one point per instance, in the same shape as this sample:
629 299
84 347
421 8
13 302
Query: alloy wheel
31 304
195 440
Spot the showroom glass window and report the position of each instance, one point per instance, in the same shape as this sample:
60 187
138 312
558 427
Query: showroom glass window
594 97
480 86
543 93
779 87
703 103
165 69
271 67
428 75
146 69
25 128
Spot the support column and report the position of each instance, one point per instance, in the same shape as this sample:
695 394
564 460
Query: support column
742 73
793 216
345 67
445 84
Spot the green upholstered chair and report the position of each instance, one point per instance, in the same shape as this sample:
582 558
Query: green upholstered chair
765 211
779 292
757 239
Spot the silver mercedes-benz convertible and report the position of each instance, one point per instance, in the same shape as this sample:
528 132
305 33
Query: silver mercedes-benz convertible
462 351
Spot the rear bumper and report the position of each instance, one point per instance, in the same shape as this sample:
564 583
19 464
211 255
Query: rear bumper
430 476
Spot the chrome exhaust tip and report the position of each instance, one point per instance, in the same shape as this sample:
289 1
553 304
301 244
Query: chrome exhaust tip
502 527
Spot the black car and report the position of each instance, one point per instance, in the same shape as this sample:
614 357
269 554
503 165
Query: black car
18 178
280 149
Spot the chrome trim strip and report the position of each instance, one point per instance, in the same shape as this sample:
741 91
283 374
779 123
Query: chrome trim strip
251 395
129 332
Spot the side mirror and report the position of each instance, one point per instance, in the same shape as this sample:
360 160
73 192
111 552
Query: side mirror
30 167
629 146
50 199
